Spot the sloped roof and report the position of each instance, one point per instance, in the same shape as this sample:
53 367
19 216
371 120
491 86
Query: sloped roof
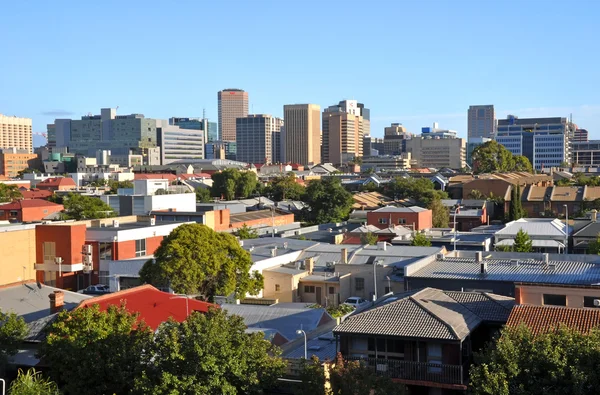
567 194
392 209
541 319
36 194
490 307
154 306
592 193
427 314
592 229
30 203
535 227
57 182
534 193
154 176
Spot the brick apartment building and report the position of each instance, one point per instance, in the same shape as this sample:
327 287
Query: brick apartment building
414 217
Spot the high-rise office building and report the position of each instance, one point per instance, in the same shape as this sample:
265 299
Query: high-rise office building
580 135
481 121
302 136
437 148
344 127
544 141
586 153
211 132
107 131
177 143
394 139
233 104
16 133
254 138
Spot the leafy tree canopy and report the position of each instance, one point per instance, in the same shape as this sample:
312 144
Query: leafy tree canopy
420 240
285 187
96 352
369 238
555 363
494 157
522 242
440 213
194 259
246 232
210 354
420 189
13 331
203 195
327 201
232 183
32 383
80 207
8 193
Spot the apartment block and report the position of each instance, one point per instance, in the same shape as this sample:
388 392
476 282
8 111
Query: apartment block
438 149
233 104
177 143
344 127
254 137
16 132
13 160
394 139
544 141
301 139
481 121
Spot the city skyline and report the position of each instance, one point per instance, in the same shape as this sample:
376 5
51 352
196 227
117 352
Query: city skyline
433 75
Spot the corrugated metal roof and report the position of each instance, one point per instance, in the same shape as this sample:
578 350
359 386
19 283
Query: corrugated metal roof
534 243
534 227
529 270
323 347
391 209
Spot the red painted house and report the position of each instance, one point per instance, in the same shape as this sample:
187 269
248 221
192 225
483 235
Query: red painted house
416 218
32 210
57 184
153 306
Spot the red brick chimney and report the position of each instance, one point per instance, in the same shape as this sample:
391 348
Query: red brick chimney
57 301
518 298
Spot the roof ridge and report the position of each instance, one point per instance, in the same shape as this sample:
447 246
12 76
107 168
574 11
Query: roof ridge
431 313
487 295
118 293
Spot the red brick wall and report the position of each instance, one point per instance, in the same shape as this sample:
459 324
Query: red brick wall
421 220
68 238
126 249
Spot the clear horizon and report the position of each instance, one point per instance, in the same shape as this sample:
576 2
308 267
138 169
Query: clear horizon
412 63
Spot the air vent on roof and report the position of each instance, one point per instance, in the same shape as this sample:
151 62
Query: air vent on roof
314 348
514 262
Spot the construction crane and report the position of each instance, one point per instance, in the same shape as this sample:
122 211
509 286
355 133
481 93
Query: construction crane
44 135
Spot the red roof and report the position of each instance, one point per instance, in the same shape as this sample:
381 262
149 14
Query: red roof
195 175
157 176
542 319
154 306
57 182
36 194
29 203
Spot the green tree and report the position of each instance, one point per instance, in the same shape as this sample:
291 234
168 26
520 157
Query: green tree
440 213
476 194
210 354
420 240
232 183
327 201
420 189
522 242
112 344
32 383
515 209
563 361
519 205
203 195
13 331
194 259
492 157
522 163
80 207
356 378
594 246
246 184
115 185
246 232
368 238
312 375
8 193
285 187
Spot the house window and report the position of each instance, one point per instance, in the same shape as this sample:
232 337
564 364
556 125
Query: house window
434 356
555 300
383 220
401 220
359 284
331 290
277 288
13 213
140 247
588 301
105 251
309 289
49 251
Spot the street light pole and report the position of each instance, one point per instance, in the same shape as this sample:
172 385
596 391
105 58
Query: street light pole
566 228
301 332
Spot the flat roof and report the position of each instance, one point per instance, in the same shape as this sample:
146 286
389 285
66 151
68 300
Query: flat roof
132 225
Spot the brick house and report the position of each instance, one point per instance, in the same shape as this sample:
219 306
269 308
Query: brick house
32 210
57 184
414 217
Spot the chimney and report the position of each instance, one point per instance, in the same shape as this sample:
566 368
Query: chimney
546 258
274 251
309 264
478 256
594 215
483 267
518 298
344 255
57 301
381 245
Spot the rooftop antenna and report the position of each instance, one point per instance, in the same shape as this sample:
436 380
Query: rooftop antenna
204 113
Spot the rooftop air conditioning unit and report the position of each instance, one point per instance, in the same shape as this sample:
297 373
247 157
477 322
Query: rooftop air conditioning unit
596 302
440 256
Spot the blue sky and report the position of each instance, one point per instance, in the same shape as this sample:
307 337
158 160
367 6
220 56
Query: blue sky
413 62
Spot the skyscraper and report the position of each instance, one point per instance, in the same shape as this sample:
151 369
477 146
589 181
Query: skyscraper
233 104
256 135
302 133
481 121
16 132
344 127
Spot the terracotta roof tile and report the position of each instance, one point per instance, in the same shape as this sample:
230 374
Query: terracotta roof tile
57 182
156 176
28 203
541 319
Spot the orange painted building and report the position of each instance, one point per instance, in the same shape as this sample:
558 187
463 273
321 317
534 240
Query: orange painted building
32 210
414 217
222 220
12 163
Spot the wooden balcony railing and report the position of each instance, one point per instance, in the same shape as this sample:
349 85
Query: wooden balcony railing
416 371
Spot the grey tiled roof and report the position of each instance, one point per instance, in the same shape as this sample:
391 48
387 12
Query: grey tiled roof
489 307
592 229
428 313
529 270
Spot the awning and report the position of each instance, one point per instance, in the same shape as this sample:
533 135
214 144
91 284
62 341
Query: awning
534 243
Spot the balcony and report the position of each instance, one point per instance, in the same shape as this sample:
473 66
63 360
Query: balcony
451 376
